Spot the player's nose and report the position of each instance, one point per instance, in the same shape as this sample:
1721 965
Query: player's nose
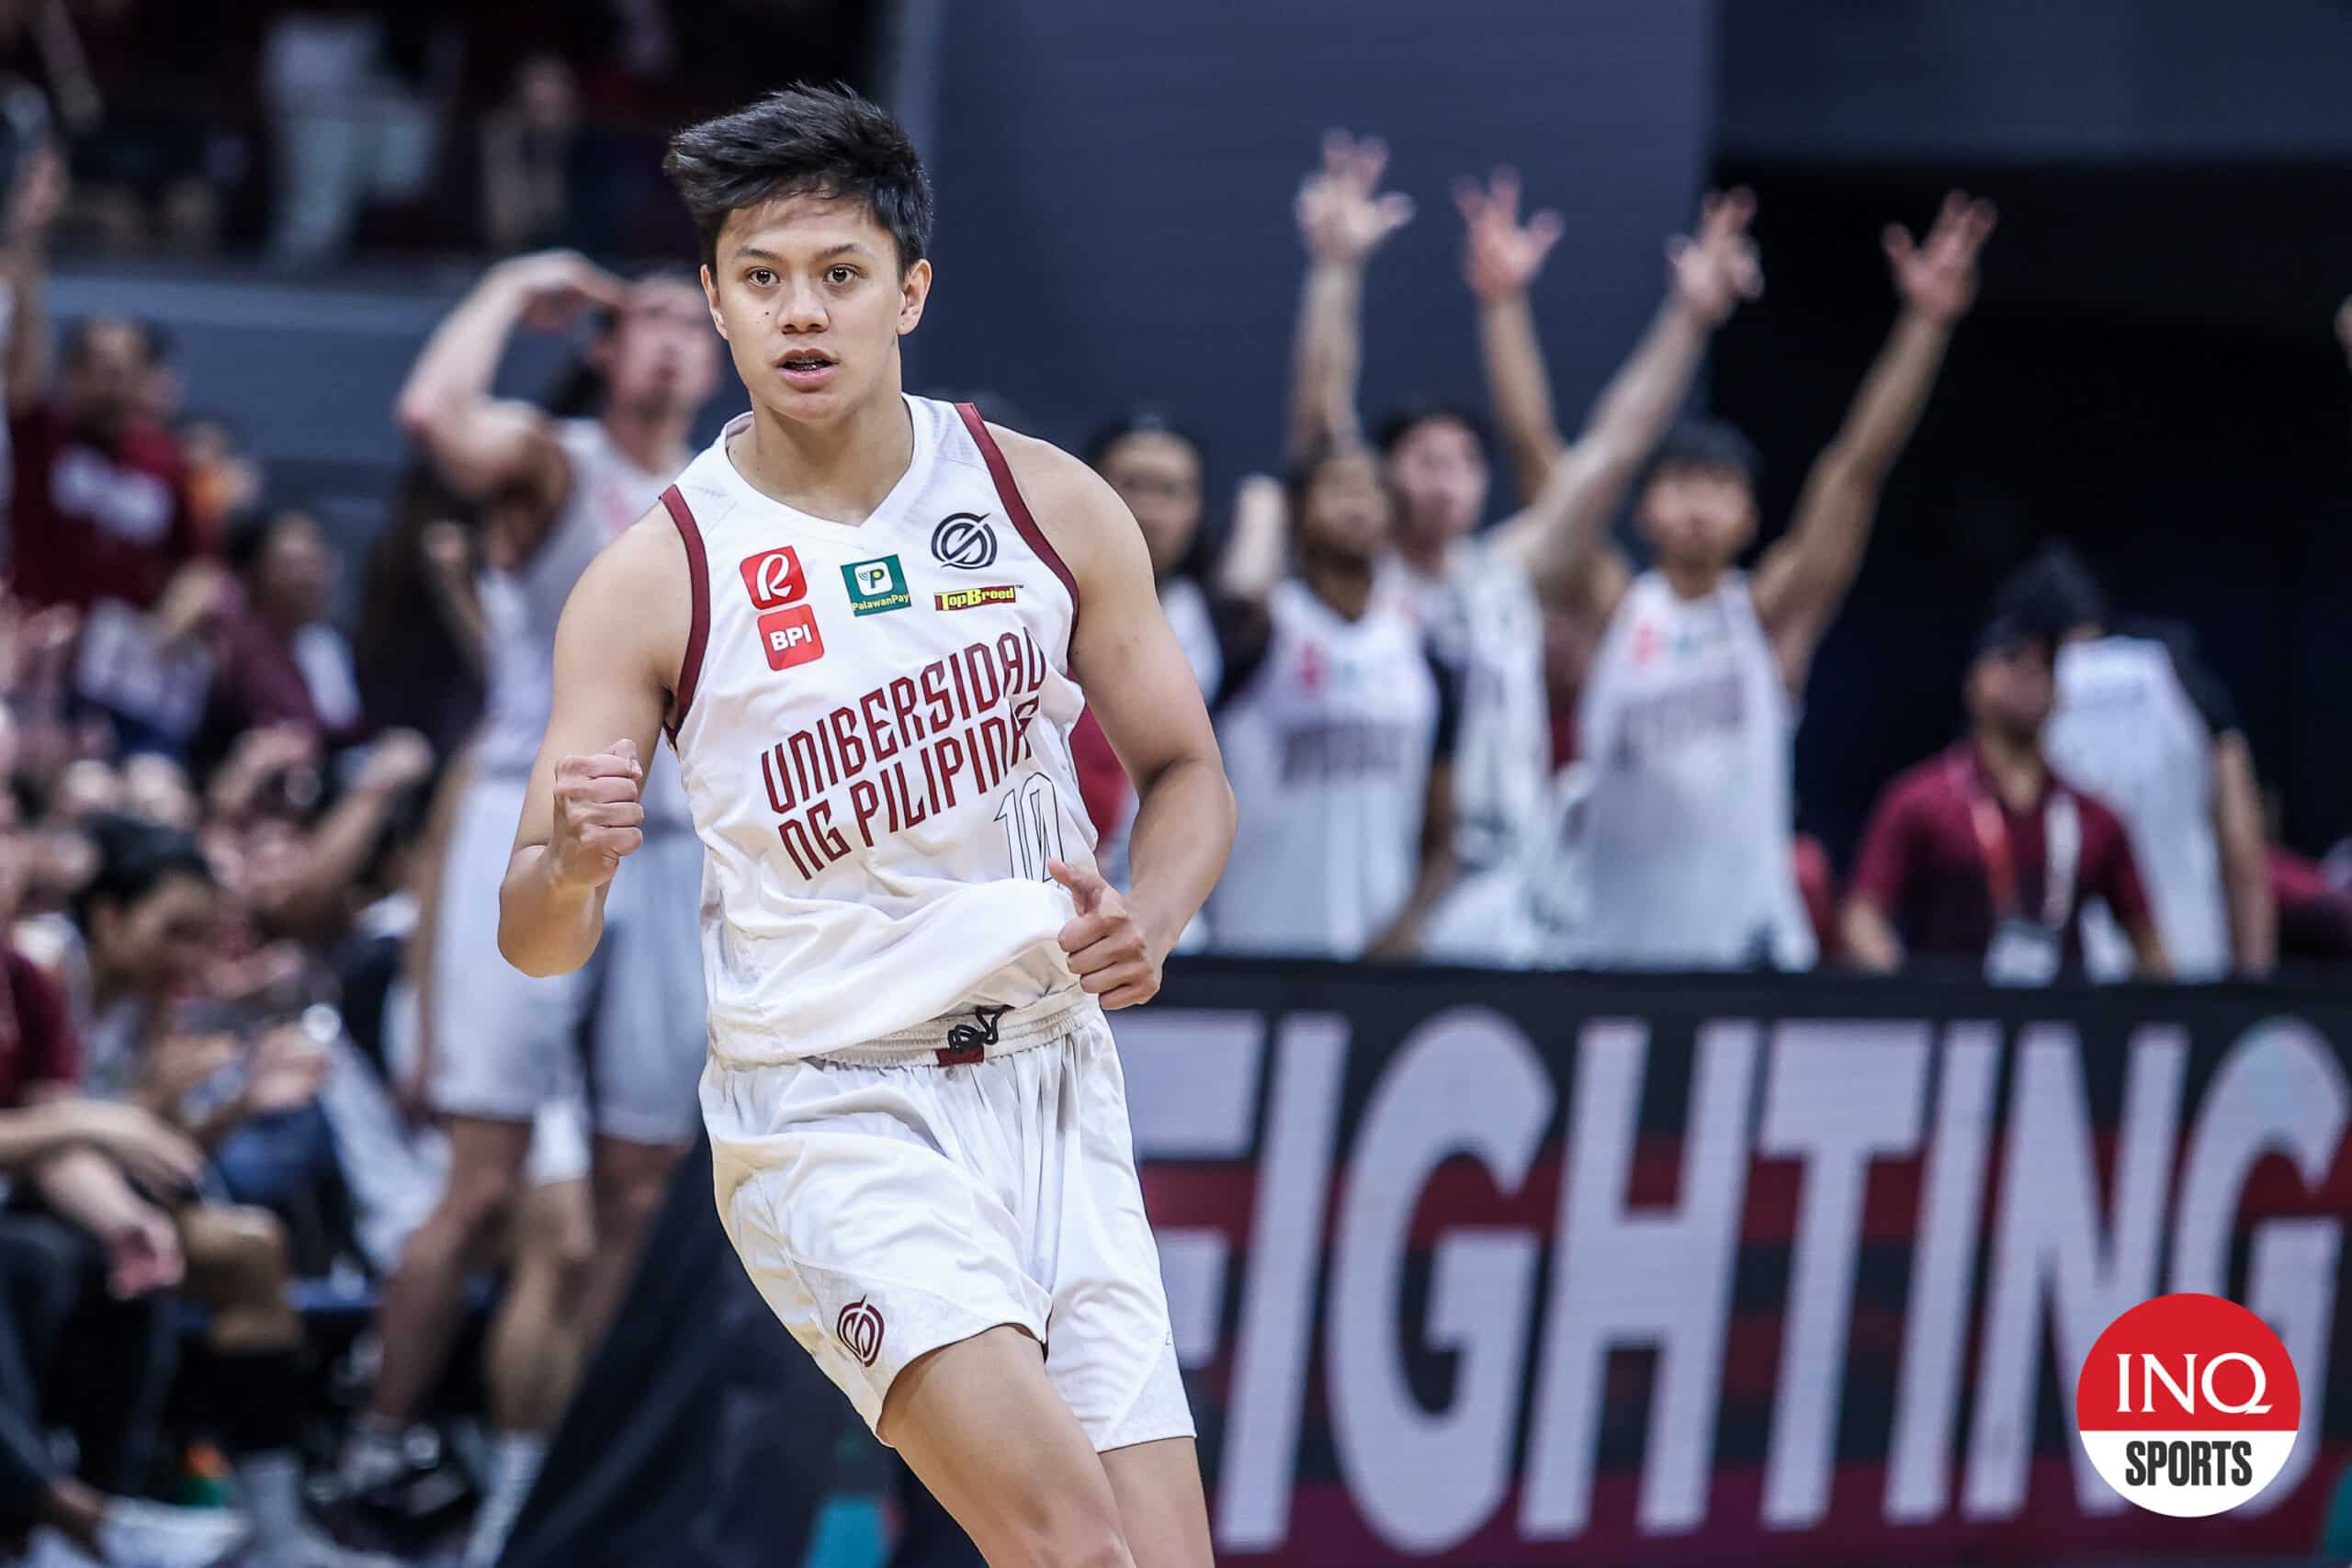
803 310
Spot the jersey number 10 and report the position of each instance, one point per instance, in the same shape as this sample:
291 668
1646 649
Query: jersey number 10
1032 814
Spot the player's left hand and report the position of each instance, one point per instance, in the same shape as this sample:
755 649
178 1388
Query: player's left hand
1108 951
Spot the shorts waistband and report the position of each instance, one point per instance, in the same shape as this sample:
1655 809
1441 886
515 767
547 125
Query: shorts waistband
973 1034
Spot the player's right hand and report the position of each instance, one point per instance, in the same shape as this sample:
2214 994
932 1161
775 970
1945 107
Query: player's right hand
598 816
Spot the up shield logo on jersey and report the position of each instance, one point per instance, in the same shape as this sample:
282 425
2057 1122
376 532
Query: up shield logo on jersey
790 637
2188 1405
876 587
774 578
964 540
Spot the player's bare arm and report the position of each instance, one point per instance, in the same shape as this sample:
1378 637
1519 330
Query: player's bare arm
1562 536
484 444
1144 695
1343 216
617 653
1803 580
2245 857
1501 258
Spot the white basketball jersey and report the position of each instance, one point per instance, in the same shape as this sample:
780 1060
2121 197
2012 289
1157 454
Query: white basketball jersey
520 609
1687 723
1328 749
1482 617
875 741
2125 730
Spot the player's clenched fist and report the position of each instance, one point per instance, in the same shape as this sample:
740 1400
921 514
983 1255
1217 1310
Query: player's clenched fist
1108 951
598 815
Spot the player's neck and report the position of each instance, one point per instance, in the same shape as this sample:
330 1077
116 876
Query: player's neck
1343 583
841 470
654 439
1690 580
2015 766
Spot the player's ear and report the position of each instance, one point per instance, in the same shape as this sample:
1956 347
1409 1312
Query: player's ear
710 297
914 288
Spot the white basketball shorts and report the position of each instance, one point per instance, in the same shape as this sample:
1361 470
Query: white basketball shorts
888 1206
508 1042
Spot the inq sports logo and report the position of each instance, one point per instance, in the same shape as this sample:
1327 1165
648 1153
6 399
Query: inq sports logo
2188 1405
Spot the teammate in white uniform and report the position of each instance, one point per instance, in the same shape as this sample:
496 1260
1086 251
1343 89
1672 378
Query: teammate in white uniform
1336 731
1480 597
506 1047
2142 724
858 617
1686 717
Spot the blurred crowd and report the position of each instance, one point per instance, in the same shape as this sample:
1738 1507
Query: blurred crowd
232 847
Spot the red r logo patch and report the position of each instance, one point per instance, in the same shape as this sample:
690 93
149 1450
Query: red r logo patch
860 1328
774 578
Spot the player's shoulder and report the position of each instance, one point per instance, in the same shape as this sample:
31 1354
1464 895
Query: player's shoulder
645 563
1083 518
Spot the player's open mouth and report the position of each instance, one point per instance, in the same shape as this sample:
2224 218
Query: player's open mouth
806 370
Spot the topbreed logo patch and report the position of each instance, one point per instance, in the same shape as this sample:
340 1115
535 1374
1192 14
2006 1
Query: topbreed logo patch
2188 1405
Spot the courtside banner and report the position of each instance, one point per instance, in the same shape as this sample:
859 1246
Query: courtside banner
1487 1270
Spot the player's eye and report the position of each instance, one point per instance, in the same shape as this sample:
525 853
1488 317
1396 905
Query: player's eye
759 276
840 277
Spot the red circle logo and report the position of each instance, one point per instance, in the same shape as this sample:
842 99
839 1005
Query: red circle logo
2188 1405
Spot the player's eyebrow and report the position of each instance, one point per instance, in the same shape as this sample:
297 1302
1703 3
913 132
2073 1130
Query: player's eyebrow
757 253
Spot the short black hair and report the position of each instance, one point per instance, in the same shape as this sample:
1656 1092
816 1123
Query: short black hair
2054 593
1703 443
826 140
1398 424
246 535
1135 422
135 857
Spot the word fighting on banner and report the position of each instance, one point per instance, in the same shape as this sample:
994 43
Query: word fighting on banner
1467 1266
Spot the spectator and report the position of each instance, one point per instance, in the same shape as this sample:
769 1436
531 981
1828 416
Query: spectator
1983 855
422 635
278 662
1688 712
1337 731
87 1260
353 128
529 145
1156 469
103 521
2143 724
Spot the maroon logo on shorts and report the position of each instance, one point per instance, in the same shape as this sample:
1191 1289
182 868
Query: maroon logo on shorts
860 1328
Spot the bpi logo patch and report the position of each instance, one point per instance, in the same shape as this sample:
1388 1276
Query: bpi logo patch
965 539
790 637
774 578
2188 1405
859 1328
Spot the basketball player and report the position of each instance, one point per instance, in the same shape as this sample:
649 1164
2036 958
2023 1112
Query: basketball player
1478 596
857 616
1337 725
504 1045
2141 723
1687 709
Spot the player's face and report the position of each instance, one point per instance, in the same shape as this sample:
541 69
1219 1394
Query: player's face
1159 476
807 293
1347 509
1699 517
1441 471
660 356
2010 690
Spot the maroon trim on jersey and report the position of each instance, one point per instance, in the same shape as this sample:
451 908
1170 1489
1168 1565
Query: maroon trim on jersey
1014 507
698 577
